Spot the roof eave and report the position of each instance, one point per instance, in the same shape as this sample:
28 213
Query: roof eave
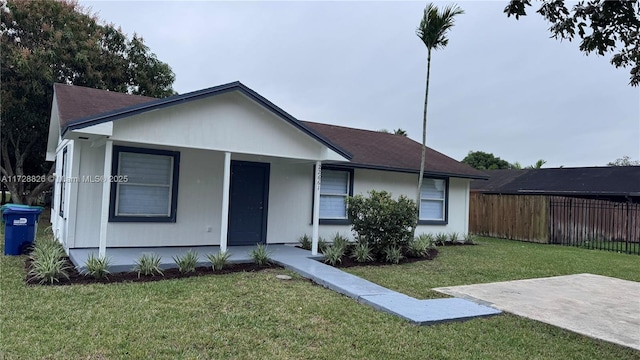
559 192
408 170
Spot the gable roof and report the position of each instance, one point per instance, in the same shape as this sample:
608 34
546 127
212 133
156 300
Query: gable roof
378 150
581 181
72 102
80 107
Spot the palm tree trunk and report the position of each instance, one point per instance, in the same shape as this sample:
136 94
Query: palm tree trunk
424 130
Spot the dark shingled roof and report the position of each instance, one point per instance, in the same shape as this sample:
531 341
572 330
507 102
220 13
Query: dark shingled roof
497 179
80 107
585 181
374 149
77 102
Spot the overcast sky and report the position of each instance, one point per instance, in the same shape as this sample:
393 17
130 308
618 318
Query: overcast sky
501 86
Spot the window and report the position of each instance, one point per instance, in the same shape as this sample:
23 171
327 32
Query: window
433 201
62 181
144 186
335 186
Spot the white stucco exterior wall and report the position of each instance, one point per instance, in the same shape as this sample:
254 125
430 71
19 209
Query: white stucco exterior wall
200 199
406 184
228 122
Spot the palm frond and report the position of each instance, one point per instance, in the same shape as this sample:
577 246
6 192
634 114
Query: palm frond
435 25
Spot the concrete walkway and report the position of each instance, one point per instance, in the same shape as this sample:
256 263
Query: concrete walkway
420 312
597 306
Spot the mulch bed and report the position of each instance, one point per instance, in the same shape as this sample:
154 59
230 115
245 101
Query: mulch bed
75 278
348 262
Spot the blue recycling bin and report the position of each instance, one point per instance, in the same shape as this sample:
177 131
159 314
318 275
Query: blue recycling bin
20 226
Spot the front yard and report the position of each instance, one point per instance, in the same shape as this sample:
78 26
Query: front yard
255 315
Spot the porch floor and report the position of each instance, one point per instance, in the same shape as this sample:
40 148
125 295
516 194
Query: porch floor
123 259
420 312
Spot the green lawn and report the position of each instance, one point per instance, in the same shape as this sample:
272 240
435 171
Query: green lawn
254 315
498 260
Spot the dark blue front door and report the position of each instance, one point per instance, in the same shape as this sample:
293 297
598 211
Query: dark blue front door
249 194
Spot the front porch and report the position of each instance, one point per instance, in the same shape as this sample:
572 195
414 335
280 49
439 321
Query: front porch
123 259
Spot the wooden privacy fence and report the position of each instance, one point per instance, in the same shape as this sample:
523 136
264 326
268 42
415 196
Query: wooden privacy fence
519 217
597 224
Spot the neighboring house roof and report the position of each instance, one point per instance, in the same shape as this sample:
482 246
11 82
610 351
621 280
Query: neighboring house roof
379 150
80 107
582 181
497 179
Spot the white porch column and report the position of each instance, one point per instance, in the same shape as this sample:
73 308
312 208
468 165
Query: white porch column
226 184
316 208
106 188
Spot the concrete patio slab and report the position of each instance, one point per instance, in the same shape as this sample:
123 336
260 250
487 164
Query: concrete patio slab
593 305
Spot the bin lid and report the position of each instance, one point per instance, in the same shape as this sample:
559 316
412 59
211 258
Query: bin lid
20 209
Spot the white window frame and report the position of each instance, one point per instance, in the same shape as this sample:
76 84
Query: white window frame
443 200
63 182
349 192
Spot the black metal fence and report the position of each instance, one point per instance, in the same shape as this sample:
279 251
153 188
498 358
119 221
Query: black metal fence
595 224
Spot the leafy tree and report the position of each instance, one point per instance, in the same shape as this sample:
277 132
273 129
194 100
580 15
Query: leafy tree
485 161
603 26
516 166
432 31
43 42
624 161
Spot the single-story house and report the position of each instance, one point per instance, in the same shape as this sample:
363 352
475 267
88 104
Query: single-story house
224 166
612 183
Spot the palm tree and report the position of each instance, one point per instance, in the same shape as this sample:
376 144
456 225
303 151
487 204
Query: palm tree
433 33
537 165
400 131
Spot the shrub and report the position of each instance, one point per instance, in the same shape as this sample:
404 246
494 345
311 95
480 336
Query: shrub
421 245
48 263
341 241
187 262
148 265
382 221
333 254
219 260
322 244
49 247
98 267
441 238
469 239
305 242
362 252
393 254
454 237
260 255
